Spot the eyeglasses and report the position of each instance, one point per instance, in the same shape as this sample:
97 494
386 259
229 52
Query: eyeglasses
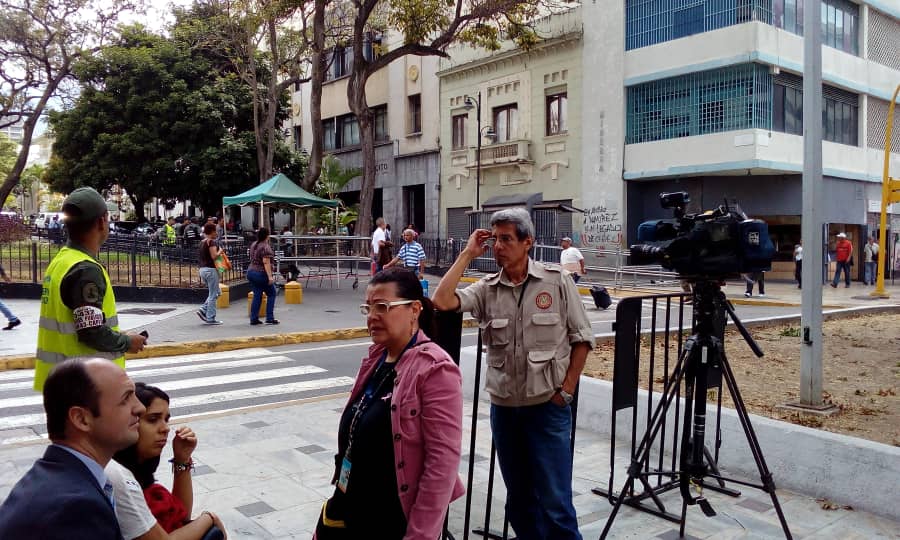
381 308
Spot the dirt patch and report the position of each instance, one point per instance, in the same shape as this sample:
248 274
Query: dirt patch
861 358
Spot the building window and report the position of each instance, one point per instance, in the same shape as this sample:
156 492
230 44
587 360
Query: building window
348 131
414 114
648 22
727 99
340 63
381 123
506 122
557 113
460 124
296 86
328 138
687 21
840 110
371 45
840 22
297 140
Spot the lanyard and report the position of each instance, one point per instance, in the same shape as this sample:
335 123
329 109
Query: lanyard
522 292
372 389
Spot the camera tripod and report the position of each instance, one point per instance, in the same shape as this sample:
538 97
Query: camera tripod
703 356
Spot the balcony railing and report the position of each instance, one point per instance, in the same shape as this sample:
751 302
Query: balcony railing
502 153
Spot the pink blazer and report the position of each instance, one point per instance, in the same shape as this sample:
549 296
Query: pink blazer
427 426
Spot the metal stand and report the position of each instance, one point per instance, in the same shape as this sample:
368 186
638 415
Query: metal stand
703 353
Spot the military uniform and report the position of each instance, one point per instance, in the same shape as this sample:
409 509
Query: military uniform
529 330
78 306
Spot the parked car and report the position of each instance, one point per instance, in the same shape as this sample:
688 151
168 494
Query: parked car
44 218
122 228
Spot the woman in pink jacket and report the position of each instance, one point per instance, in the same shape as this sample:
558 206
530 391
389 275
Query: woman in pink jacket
400 436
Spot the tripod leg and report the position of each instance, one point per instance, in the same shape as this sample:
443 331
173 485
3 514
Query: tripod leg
764 473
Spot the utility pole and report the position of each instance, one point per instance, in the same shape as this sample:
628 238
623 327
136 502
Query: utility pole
812 223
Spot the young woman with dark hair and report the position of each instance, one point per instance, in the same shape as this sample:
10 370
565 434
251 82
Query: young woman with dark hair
171 509
400 435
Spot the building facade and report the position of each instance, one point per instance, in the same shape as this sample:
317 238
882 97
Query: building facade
404 97
529 128
706 97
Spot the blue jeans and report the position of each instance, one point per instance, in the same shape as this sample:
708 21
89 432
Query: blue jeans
7 313
845 266
871 272
259 281
210 276
533 447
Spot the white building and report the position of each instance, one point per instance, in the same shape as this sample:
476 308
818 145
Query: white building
706 97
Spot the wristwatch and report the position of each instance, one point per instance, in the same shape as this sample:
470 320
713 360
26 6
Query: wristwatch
567 397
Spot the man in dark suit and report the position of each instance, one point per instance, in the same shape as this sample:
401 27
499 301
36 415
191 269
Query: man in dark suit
92 413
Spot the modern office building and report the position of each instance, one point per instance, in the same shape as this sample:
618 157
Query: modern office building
705 96
404 97
530 131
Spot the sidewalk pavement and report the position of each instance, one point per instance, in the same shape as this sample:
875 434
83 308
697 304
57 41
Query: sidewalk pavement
267 472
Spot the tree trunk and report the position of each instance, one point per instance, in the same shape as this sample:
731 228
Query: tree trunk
314 167
15 174
138 204
272 96
357 100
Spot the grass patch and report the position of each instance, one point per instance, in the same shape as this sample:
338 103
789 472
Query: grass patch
790 332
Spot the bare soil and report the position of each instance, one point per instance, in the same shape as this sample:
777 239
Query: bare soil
861 358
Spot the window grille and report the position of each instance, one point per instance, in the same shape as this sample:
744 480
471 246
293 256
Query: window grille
728 99
654 21
883 40
877 121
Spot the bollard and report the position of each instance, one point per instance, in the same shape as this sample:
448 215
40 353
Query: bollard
293 293
224 299
262 305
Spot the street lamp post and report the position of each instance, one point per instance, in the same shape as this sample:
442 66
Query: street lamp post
487 131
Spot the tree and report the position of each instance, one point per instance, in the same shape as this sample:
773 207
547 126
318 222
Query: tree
39 42
159 118
428 27
7 159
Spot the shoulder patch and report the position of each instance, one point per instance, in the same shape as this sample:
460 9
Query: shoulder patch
90 292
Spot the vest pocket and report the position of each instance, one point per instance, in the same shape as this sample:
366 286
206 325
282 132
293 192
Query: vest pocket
496 336
540 377
545 331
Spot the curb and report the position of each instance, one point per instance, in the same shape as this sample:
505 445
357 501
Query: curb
221 345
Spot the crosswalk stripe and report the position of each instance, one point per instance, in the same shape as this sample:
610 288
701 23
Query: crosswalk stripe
263 361
172 386
26 420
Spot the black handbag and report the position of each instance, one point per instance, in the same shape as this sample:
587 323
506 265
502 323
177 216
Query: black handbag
330 525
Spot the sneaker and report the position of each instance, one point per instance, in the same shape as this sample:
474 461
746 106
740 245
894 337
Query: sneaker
833 285
748 295
273 321
256 322
214 322
12 324
761 295
201 314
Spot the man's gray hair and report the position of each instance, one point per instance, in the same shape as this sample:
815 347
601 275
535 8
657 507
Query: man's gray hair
518 217
379 222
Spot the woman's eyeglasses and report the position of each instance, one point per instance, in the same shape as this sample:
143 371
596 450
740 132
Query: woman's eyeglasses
381 308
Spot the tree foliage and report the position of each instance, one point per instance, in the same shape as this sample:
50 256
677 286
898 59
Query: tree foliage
428 27
161 118
39 43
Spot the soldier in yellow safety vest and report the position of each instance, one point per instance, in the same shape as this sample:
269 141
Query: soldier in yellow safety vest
78 307
169 232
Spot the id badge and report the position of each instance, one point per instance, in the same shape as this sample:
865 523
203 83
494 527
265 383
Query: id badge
344 477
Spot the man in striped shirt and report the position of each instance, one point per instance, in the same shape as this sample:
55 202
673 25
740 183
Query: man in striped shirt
411 255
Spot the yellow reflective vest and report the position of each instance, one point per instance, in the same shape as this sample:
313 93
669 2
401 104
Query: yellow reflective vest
170 235
57 338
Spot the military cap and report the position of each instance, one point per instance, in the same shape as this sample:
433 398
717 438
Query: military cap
84 204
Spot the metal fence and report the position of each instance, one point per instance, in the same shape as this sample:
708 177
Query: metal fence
134 260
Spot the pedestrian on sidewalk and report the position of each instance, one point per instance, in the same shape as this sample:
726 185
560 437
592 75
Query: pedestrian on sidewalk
400 435
261 275
411 255
12 320
91 410
798 264
571 259
844 257
538 336
380 246
209 274
870 257
755 277
78 305
145 509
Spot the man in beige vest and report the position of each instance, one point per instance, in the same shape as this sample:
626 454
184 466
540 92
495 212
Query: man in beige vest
537 335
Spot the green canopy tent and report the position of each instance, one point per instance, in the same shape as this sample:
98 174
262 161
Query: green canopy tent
278 191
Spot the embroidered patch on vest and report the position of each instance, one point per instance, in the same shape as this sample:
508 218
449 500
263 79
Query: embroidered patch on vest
543 300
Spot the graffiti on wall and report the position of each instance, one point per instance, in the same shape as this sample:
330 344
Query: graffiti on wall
602 227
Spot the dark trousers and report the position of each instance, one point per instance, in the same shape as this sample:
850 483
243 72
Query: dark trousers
758 277
534 449
798 272
842 266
